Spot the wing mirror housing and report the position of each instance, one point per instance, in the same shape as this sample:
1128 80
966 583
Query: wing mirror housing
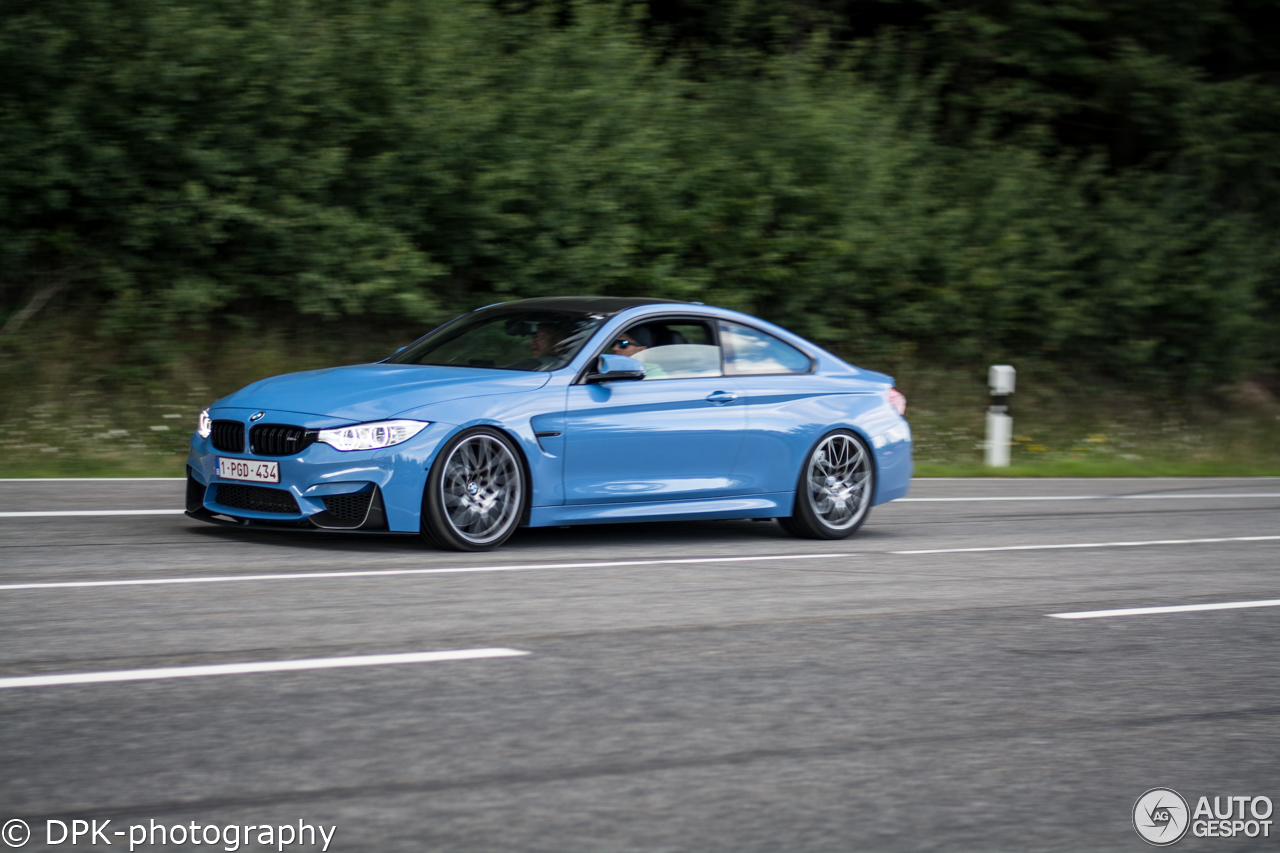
610 368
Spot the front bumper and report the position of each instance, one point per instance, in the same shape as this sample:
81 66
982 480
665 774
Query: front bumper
362 510
320 488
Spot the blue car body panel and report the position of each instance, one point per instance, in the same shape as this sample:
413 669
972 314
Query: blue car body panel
627 450
370 392
652 441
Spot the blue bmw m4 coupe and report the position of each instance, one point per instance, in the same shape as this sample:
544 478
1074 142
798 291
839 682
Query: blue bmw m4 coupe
558 411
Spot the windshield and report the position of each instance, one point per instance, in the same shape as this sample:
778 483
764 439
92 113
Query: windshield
507 340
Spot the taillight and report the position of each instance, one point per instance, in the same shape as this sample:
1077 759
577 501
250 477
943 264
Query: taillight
897 400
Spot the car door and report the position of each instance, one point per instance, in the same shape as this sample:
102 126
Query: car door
782 402
674 435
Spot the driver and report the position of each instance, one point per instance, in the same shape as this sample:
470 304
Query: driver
631 342
636 340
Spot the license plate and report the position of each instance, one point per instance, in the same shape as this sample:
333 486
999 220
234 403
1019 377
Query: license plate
249 470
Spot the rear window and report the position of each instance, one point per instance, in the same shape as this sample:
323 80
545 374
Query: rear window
749 351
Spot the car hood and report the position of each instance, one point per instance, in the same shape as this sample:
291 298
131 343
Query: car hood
370 392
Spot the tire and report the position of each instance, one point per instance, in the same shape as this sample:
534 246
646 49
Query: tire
476 492
834 489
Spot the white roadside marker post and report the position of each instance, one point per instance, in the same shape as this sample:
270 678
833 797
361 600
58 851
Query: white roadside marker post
1000 379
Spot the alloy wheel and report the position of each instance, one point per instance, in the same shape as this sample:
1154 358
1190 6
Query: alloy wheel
481 489
838 481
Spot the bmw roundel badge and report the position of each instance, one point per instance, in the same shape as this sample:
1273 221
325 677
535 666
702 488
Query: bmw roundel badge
256 417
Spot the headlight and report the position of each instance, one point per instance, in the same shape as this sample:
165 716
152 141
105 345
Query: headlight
204 426
371 436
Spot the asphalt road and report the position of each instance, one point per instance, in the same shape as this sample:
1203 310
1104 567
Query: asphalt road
674 695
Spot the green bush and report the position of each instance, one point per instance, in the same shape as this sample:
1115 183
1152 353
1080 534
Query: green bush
173 165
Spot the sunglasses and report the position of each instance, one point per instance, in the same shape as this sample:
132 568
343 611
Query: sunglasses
623 343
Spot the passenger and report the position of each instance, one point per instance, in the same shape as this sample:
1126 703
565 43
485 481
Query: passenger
543 342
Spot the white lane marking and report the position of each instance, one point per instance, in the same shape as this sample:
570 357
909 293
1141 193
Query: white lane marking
1180 608
65 513
62 513
260 666
1088 545
373 573
1091 479
93 480
920 479
1087 498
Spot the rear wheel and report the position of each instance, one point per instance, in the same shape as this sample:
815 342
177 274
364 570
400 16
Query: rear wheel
475 492
833 495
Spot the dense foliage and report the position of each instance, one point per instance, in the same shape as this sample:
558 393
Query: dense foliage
1088 182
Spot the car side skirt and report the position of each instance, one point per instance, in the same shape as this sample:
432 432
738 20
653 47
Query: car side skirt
745 506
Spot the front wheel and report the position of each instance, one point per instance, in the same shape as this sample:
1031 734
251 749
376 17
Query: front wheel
833 495
475 492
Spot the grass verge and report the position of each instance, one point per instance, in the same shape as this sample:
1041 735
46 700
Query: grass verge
72 406
1087 468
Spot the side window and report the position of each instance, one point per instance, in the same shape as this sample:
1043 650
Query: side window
681 332
676 349
750 352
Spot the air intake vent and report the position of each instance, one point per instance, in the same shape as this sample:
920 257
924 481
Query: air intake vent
227 436
280 440
349 507
255 498
195 493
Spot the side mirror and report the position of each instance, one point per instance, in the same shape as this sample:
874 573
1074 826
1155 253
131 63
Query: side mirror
612 367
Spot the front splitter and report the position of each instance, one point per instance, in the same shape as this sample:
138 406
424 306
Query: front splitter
283 526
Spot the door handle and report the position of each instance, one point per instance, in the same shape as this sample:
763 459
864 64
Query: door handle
721 397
